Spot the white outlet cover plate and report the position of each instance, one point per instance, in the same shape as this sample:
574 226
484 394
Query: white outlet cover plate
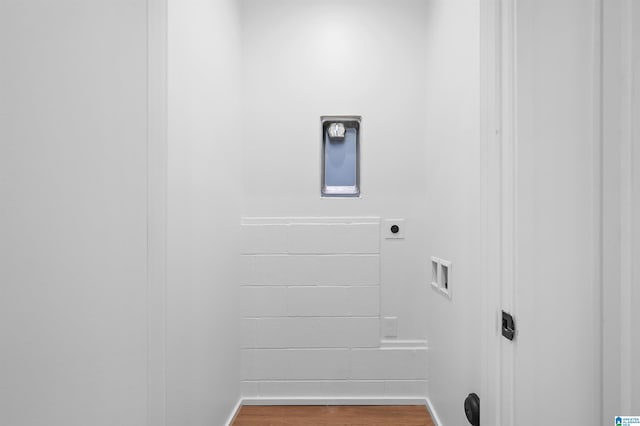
390 327
386 230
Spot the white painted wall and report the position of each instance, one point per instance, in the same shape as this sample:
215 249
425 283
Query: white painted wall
305 59
452 159
73 184
204 185
73 228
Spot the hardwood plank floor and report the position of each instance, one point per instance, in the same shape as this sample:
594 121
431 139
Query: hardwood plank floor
316 415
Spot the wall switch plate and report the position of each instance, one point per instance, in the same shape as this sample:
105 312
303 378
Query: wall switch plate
393 229
390 327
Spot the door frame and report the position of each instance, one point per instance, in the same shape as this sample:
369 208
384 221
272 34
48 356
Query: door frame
499 148
621 103
498 143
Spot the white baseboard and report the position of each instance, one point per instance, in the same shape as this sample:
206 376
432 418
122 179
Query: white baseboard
234 412
336 401
432 411
403 344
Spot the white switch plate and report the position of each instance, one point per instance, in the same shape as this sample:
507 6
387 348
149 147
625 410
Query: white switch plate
388 233
390 327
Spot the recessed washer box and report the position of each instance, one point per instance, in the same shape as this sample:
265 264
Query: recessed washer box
340 156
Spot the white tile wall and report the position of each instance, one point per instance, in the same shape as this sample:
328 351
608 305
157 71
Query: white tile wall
405 388
311 236
331 238
337 389
249 389
395 363
263 301
364 301
317 333
298 270
333 301
248 332
295 364
264 238
334 388
318 301
311 306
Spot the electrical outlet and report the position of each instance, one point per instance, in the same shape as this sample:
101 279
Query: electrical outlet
393 229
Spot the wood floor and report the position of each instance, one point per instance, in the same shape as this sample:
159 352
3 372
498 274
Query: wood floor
376 415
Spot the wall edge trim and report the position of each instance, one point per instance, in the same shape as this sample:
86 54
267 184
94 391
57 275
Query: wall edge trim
433 413
235 411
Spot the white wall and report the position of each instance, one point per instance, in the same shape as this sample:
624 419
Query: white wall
73 233
305 59
202 291
452 157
